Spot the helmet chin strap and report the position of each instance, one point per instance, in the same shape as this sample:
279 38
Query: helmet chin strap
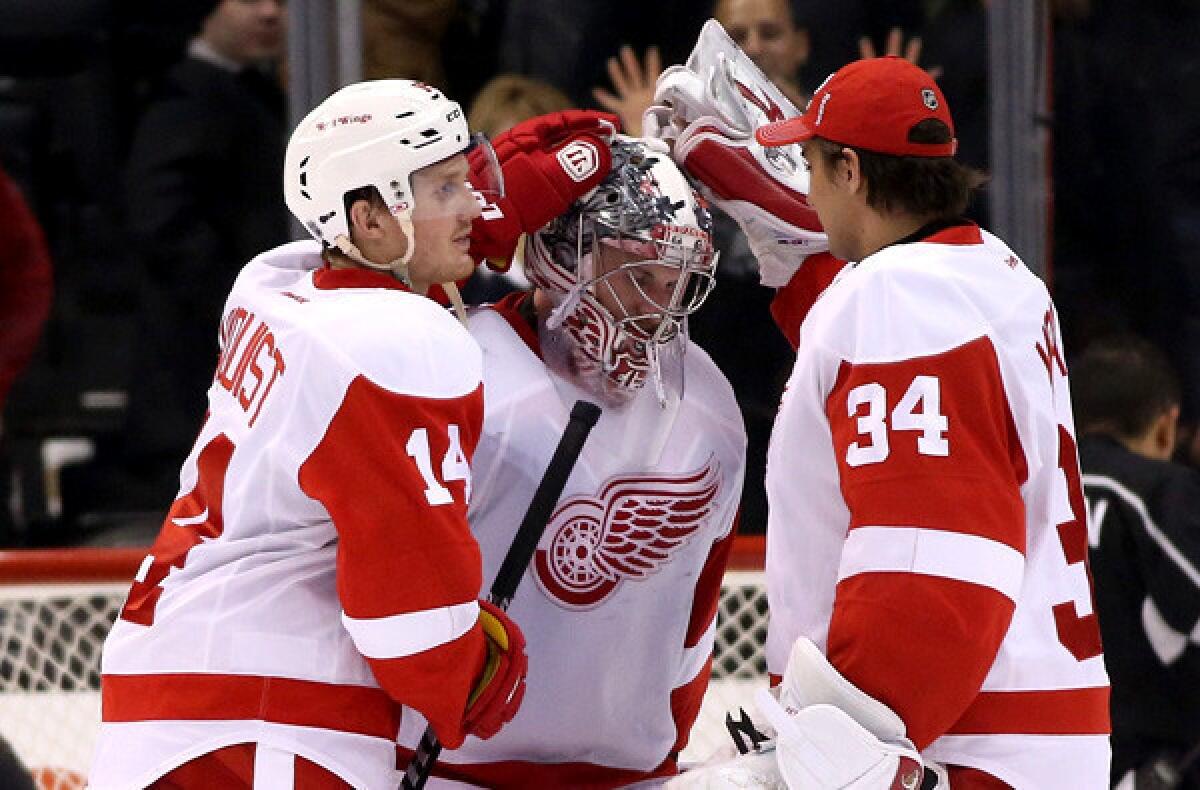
564 308
451 289
398 268
656 371
401 264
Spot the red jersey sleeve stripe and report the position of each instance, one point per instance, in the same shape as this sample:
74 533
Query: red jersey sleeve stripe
1082 711
695 656
793 301
685 704
437 682
708 588
920 644
196 696
414 632
951 555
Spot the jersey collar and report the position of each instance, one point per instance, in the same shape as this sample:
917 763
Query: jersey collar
944 231
327 279
517 309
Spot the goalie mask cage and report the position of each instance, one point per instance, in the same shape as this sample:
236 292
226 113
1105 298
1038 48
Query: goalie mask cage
56 607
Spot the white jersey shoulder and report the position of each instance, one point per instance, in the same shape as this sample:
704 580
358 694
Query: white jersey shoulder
721 404
923 298
401 341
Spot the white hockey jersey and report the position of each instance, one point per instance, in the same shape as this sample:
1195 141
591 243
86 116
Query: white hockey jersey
321 519
619 605
927 527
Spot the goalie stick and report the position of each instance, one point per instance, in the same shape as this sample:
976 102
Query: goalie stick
584 415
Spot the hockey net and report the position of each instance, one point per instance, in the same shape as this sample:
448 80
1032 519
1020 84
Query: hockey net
56 607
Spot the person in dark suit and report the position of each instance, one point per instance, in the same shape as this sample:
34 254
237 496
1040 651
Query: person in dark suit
202 183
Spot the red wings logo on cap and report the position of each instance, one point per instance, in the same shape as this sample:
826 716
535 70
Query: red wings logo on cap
630 531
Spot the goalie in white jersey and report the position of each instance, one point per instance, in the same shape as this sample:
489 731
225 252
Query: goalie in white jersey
316 570
927 546
619 605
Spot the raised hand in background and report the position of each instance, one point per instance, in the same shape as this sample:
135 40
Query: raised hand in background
633 80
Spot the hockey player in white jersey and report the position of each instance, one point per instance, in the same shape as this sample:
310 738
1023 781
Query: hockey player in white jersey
316 570
619 605
926 550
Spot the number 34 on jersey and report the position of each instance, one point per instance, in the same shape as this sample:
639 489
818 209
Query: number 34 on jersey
944 422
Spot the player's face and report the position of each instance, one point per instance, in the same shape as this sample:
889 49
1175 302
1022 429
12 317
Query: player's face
443 208
634 287
765 32
830 198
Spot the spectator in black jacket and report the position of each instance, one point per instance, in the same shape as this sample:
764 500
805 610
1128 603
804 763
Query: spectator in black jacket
1144 533
203 180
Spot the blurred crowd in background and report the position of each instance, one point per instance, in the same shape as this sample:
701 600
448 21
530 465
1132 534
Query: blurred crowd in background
142 145
143 169
143 148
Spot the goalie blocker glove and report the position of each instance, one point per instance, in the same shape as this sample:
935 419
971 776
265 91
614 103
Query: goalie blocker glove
548 162
501 687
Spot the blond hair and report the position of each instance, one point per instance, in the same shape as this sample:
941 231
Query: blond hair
509 98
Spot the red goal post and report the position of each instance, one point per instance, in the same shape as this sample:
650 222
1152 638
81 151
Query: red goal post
56 606
48 566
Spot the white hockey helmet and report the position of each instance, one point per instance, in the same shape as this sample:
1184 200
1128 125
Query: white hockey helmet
375 133
647 210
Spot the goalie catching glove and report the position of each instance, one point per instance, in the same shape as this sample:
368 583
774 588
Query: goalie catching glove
709 110
548 162
501 687
827 735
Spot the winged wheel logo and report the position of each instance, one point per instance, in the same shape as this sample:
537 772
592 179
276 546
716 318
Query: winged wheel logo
629 531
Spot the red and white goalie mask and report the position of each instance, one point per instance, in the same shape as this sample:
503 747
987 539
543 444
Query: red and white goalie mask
624 268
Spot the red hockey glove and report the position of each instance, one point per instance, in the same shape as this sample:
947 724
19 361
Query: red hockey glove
498 693
548 162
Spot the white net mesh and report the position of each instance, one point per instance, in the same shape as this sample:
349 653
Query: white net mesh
50 640
51 637
739 661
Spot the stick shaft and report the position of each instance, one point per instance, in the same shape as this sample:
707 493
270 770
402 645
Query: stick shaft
583 418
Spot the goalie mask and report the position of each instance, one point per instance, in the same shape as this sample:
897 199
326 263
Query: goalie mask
624 267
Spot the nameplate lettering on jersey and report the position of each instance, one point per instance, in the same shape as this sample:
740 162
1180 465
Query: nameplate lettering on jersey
250 360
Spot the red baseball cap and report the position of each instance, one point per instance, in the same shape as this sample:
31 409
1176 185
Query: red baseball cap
870 104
